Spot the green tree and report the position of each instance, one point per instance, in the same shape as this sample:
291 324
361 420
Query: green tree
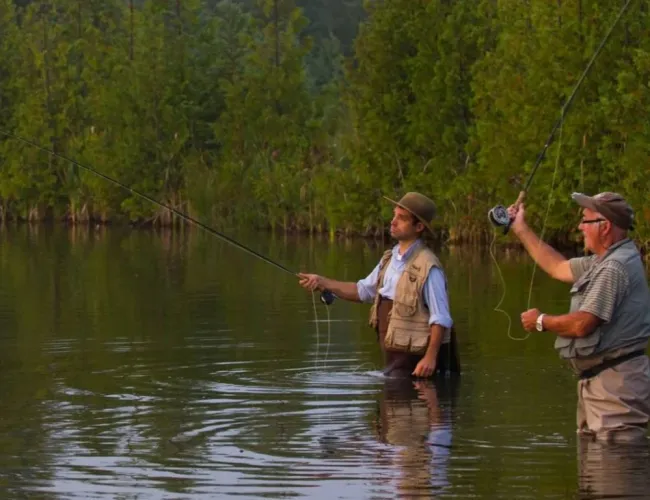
9 61
520 89
43 111
265 127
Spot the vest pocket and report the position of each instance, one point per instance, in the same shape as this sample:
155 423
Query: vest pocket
586 346
578 347
577 294
407 305
406 340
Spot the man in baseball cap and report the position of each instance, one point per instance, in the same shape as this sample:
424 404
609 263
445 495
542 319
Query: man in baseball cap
610 205
605 334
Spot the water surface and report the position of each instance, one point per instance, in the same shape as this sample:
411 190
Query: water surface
140 364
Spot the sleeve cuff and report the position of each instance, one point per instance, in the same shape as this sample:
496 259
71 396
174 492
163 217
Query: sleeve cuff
364 295
604 316
438 319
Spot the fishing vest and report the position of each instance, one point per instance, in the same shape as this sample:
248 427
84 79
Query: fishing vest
408 321
630 323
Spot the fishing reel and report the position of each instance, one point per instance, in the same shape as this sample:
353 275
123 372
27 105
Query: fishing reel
498 216
327 297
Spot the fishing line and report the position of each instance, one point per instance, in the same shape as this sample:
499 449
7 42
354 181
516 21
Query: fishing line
326 297
180 214
329 333
313 301
498 215
550 201
503 285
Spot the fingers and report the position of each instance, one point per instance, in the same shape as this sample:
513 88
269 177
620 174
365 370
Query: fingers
423 371
308 284
528 319
304 280
515 209
516 215
309 281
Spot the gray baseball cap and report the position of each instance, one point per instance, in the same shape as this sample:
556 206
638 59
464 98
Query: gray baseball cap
610 205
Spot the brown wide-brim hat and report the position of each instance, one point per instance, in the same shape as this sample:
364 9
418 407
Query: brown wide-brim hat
419 205
610 205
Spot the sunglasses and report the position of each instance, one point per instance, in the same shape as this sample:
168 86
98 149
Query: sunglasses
591 221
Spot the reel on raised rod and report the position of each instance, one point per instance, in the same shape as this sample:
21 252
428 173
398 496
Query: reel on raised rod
498 216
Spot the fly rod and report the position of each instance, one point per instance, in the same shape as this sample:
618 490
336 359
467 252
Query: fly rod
327 297
498 215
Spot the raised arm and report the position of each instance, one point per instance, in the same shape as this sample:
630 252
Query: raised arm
550 260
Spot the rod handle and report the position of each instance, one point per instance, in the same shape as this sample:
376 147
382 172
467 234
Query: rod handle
520 200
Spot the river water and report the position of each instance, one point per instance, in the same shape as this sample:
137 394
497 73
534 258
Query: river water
143 364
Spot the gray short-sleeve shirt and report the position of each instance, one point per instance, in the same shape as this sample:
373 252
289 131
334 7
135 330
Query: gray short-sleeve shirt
607 286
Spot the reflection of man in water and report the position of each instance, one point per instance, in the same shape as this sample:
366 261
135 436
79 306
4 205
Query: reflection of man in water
613 471
415 419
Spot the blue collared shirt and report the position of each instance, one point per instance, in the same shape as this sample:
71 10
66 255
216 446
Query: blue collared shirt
435 290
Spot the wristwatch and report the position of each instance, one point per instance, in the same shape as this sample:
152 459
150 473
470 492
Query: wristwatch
538 323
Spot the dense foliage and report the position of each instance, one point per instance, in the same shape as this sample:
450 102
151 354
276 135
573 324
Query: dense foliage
303 115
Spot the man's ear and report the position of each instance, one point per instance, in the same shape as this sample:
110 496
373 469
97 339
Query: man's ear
609 226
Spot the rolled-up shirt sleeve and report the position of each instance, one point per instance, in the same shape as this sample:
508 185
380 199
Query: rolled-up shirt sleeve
367 287
435 296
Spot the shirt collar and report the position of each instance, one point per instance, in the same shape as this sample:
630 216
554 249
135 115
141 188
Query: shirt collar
408 253
611 249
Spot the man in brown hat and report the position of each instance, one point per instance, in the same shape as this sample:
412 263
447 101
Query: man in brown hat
605 335
408 291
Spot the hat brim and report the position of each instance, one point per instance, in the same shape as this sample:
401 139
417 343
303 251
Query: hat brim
585 201
426 224
589 202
